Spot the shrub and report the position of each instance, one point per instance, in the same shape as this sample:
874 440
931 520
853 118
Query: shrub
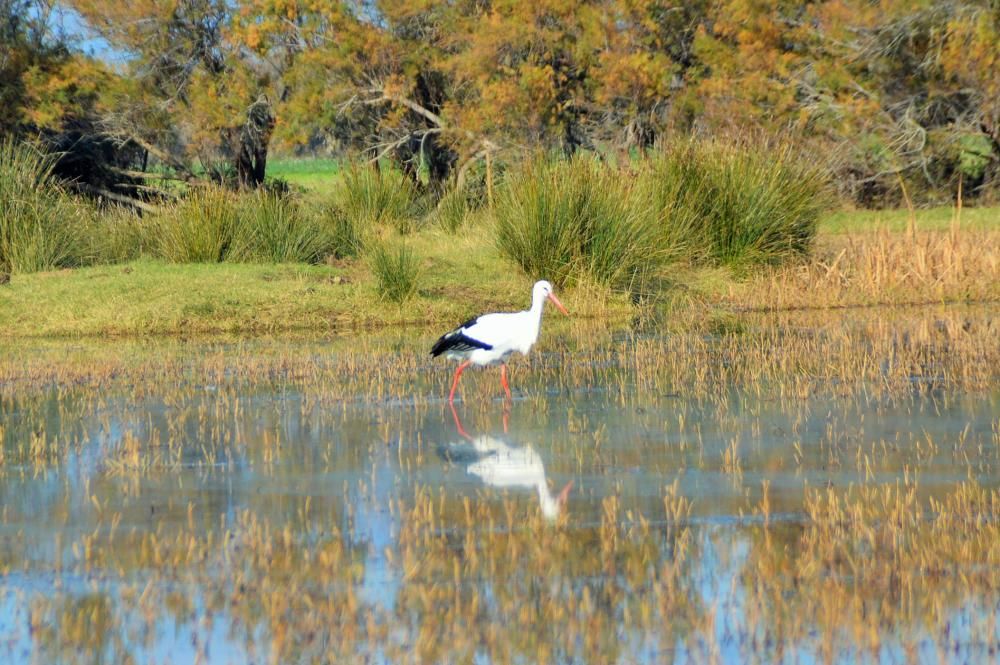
369 196
39 221
200 228
396 271
274 228
669 183
452 211
563 219
347 235
115 234
744 202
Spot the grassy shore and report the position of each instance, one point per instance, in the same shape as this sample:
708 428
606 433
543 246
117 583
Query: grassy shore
464 275
931 219
459 277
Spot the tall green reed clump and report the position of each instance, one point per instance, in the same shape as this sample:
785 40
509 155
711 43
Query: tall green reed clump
452 211
39 221
370 196
396 271
740 202
212 224
274 228
198 228
566 219
347 235
115 234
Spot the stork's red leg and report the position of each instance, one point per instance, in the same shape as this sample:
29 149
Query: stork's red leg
458 423
503 379
454 384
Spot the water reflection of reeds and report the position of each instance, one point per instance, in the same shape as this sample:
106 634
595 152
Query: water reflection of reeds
799 488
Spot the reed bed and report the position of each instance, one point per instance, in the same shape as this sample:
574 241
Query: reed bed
881 267
893 352
276 500
38 218
847 580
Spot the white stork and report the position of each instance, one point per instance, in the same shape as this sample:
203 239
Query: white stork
490 338
499 464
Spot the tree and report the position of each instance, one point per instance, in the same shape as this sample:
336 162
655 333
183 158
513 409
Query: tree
898 91
887 90
644 69
50 94
198 94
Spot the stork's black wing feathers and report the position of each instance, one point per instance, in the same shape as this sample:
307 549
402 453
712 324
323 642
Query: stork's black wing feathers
457 340
461 453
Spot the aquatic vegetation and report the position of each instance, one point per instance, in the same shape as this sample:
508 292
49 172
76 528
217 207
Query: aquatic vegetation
811 484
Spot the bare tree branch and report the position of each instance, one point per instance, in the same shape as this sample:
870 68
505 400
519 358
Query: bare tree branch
118 198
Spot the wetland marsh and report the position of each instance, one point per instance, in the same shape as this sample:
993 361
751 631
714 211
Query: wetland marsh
798 487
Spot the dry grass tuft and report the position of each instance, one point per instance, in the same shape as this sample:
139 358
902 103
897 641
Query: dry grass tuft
881 268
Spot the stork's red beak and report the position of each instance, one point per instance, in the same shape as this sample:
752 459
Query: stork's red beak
555 301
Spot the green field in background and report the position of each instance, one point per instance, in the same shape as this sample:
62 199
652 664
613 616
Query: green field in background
308 173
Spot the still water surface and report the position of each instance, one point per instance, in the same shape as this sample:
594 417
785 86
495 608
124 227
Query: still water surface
132 545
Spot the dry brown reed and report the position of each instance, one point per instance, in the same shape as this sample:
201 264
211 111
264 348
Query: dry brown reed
881 267
153 538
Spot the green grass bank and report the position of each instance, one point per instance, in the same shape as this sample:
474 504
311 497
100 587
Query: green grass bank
703 224
458 278
462 275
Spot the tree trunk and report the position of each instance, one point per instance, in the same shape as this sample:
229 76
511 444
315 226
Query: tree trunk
255 137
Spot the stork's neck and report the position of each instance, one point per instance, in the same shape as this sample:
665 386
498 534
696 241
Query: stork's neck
548 503
537 305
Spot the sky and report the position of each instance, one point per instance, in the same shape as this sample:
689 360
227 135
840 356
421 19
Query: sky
70 23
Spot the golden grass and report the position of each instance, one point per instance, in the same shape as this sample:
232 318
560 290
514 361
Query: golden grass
878 268
241 480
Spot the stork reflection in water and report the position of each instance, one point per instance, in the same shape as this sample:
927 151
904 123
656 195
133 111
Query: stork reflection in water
499 464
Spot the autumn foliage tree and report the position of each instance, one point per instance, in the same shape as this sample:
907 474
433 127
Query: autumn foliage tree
52 95
197 97
893 94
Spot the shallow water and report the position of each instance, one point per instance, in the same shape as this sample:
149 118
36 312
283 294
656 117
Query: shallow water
223 515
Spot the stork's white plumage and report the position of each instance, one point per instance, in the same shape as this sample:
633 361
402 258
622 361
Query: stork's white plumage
500 464
490 338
